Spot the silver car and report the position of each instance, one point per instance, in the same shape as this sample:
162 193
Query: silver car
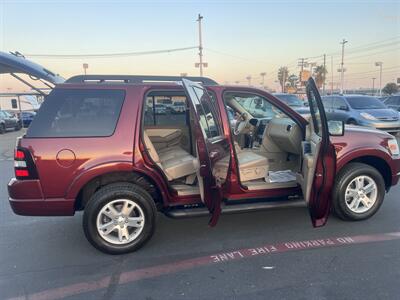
361 110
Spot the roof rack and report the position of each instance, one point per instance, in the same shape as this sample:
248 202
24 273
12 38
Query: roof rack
136 79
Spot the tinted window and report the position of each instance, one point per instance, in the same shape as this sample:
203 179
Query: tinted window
290 100
365 102
315 112
78 113
394 100
327 102
160 110
339 103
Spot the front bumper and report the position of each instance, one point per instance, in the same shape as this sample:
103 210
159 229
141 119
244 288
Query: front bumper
393 126
26 199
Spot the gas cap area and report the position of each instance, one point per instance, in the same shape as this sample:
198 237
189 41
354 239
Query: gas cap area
65 158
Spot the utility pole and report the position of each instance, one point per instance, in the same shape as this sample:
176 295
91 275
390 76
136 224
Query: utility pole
342 68
263 78
302 63
379 64
249 79
373 86
85 67
331 74
200 64
323 84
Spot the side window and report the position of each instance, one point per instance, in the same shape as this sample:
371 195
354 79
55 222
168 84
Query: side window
255 105
208 118
327 102
78 113
165 110
315 113
339 103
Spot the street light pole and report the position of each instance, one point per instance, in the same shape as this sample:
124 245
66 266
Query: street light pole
373 86
379 64
341 67
263 78
200 64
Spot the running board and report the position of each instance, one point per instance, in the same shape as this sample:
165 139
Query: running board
178 213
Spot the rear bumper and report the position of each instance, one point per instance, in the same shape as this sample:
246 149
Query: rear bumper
26 199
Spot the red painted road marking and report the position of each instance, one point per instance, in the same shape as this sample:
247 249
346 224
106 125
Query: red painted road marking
135 275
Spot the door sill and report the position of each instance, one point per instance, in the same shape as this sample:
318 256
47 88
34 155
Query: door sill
179 213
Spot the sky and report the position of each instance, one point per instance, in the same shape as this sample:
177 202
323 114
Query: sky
240 38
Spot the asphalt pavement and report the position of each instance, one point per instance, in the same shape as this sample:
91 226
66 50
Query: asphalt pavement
246 256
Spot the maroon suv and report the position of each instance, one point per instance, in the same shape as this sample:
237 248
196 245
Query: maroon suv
115 147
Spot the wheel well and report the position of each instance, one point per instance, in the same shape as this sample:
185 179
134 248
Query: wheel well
96 183
351 120
379 164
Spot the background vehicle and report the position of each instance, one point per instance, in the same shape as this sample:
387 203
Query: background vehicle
27 117
393 102
7 121
160 109
361 110
294 102
178 107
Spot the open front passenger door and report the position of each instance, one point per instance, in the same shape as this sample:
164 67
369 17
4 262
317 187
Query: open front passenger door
319 166
204 127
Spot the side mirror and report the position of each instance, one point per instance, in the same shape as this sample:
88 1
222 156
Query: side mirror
336 128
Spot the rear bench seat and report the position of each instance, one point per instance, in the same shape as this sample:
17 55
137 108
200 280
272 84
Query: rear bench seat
174 161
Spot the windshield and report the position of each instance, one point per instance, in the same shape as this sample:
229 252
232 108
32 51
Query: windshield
365 102
290 100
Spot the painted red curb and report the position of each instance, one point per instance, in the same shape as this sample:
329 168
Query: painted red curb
139 274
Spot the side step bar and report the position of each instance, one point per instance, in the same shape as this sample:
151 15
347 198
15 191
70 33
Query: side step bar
178 213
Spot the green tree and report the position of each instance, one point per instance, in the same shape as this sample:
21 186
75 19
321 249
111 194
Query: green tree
293 80
390 88
283 74
320 75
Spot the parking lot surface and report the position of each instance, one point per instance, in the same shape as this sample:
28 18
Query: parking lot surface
270 254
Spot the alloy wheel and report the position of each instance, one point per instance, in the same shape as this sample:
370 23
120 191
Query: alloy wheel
361 194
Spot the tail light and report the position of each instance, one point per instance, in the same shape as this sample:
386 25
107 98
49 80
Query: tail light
24 165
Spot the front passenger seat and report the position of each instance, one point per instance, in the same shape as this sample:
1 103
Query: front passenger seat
173 167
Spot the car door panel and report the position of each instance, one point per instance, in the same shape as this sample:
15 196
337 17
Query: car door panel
318 176
208 148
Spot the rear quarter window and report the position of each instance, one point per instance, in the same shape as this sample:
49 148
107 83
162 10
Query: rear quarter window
78 113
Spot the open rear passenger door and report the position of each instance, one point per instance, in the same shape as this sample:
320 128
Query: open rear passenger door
210 193
320 175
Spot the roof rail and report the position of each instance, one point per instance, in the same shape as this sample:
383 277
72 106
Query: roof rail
136 79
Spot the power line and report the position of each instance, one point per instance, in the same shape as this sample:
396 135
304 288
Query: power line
108 55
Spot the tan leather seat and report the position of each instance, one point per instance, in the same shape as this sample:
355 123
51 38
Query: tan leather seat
251 166
173 166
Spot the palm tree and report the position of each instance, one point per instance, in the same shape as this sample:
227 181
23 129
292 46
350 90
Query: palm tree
293 80
283 74
320 75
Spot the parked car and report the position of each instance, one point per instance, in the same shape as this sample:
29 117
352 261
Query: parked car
393 102
26 118
361 110
160 109
294 102
8 121
178 107
121 170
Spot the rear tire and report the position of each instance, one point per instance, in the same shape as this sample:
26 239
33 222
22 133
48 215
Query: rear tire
109 226
358 193
2 128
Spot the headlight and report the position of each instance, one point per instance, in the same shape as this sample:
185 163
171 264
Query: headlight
367 116
393 147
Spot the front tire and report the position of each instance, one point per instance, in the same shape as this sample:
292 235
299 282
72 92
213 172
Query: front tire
2 129
119 218
358 193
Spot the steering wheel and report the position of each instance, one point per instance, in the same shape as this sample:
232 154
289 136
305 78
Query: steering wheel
241 124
